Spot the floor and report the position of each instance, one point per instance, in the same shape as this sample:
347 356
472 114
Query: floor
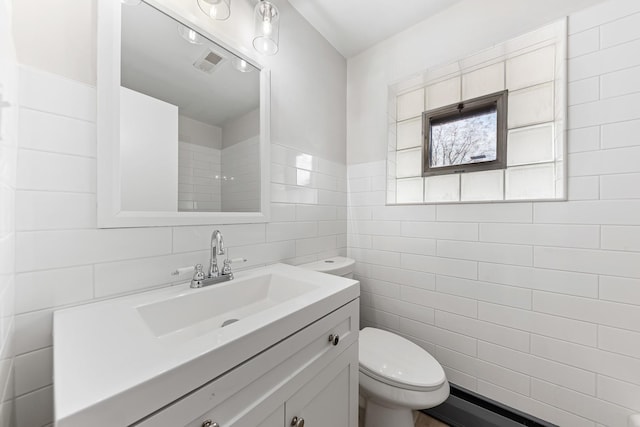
422 421
426 421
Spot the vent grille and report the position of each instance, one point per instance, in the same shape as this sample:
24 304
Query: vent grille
208 62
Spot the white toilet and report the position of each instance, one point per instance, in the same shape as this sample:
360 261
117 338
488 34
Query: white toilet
338 266
396 375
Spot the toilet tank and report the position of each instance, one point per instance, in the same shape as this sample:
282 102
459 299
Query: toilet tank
338 266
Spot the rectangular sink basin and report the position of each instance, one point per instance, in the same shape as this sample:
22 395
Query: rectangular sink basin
197 312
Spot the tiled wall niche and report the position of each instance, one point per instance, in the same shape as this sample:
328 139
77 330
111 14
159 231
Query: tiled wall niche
533 68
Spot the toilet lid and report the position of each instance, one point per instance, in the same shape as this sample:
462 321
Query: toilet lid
338 265
394 360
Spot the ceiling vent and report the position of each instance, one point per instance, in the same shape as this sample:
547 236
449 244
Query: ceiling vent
208 62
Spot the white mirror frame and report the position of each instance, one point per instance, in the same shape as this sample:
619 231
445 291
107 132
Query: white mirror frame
110 214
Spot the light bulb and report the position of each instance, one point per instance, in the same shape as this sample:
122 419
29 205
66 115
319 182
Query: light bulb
189 34
216 9
242 65
267 28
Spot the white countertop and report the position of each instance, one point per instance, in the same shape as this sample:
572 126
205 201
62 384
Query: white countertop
110 369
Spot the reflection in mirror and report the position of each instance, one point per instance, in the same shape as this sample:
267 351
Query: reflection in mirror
189 120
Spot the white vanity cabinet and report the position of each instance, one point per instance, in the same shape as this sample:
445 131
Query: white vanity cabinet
305 379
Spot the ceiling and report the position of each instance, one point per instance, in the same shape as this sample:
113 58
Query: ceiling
352 26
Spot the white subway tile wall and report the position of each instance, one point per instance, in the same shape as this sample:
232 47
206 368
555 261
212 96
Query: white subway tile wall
199 179
537 304
533 69
63 260
9 131
240 180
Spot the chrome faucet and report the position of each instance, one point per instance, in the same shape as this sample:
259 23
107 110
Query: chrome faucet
217 248
215 275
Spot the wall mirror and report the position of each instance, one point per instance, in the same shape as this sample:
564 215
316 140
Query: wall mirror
183 123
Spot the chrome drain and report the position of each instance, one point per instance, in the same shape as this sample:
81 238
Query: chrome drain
228 322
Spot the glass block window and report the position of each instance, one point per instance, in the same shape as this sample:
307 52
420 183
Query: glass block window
486 127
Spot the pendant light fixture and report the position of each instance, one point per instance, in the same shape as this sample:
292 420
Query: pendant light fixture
216 9
267 28
131 2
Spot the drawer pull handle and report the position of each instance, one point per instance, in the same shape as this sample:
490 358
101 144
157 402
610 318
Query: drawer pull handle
297 422
334 339
209 423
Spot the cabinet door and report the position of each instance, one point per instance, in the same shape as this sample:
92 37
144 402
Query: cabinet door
273 420
330 398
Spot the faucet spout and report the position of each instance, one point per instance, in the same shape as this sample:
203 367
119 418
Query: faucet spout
217 248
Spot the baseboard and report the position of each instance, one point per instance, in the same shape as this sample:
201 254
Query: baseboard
465 408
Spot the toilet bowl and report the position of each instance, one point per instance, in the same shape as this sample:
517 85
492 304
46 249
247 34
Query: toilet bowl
396 376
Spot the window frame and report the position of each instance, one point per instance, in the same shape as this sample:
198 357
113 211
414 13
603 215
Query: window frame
462 109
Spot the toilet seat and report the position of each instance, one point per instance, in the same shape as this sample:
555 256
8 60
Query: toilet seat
396 361
396 384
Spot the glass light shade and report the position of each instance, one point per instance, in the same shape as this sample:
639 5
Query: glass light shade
216 9
131 2
267 28
189 35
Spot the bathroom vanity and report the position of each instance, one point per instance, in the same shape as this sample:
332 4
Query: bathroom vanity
287 355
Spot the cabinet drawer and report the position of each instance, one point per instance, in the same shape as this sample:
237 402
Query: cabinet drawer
249 393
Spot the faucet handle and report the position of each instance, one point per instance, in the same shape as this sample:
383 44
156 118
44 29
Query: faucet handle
198 277
226 269
199 274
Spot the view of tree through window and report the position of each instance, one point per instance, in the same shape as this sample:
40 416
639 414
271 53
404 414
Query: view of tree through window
466 137
464 140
